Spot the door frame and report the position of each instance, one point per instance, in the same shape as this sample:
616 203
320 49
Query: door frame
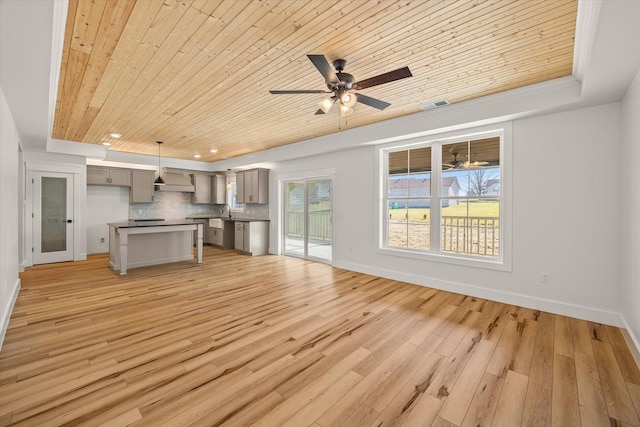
79 172
40 257
319 174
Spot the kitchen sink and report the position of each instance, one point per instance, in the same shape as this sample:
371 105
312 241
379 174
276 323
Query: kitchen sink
216 223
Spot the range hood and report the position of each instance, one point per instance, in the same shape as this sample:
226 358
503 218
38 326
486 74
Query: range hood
175 181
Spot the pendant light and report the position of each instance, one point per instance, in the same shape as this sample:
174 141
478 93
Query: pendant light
159 180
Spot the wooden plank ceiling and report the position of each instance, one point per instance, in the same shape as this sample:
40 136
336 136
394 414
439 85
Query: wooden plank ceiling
196 74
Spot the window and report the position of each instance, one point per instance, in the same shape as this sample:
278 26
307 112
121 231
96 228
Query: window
470 215
232 200
443 199
409 198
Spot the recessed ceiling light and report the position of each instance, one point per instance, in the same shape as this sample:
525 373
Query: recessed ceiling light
115 135
214 150
197 156
106 143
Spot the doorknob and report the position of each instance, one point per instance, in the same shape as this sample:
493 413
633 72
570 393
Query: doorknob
69 221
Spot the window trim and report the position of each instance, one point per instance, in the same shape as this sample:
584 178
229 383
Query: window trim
502 263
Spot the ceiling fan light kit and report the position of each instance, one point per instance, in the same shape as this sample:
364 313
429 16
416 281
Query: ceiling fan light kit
348 99
339 84
345 110
325 104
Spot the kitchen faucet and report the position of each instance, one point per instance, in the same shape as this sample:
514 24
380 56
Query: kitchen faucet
229 209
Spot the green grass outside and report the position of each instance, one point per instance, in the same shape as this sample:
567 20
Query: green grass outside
473 209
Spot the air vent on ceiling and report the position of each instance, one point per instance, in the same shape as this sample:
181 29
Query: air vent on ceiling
435 105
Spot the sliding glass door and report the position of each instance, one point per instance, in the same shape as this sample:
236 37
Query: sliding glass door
307 219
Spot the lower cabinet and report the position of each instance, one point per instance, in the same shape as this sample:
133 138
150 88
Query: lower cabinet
217 237
222 235
252 238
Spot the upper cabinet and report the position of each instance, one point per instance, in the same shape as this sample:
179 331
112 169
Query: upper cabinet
202 189
142 187
252 186
209 189
240 187
97 175
219 189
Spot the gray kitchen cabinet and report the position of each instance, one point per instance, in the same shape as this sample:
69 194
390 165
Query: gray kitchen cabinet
202 187
219 232
217 238
208 236
142 187
240 186
219 189
254 184
252 238
98 175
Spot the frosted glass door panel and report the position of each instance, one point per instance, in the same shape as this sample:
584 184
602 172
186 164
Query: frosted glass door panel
53 225
54 214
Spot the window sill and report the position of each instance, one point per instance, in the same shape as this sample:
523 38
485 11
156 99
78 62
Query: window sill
458 259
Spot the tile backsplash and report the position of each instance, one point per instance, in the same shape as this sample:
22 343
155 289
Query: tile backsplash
177 205
253 212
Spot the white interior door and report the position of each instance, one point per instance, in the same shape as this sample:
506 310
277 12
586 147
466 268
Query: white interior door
52 217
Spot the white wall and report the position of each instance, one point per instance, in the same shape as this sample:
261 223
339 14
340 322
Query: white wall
104 205
565 219
9 248
630 171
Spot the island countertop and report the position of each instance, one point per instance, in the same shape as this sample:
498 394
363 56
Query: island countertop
144 223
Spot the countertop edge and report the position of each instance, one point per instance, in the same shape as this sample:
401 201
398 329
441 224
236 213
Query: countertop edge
228 219
133 224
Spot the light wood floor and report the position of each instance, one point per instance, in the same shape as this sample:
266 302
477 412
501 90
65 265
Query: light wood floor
277 341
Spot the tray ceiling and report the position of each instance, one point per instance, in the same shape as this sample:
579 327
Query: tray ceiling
196 74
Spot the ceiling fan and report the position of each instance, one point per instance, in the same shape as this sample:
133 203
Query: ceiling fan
340 85
459 164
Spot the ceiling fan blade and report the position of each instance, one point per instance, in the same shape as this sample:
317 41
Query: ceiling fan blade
372 102
321 63
291 92
319 111
400 73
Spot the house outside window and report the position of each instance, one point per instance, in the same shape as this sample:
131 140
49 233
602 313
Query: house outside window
443 199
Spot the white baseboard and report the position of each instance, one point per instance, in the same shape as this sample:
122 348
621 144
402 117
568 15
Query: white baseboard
632 340
572 310
7 315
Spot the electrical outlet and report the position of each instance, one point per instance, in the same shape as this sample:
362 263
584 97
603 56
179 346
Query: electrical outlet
102 240
545 278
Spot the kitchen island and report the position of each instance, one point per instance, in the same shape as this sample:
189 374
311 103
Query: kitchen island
141 243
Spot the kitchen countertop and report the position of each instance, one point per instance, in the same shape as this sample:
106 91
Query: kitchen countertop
232 219
133 223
